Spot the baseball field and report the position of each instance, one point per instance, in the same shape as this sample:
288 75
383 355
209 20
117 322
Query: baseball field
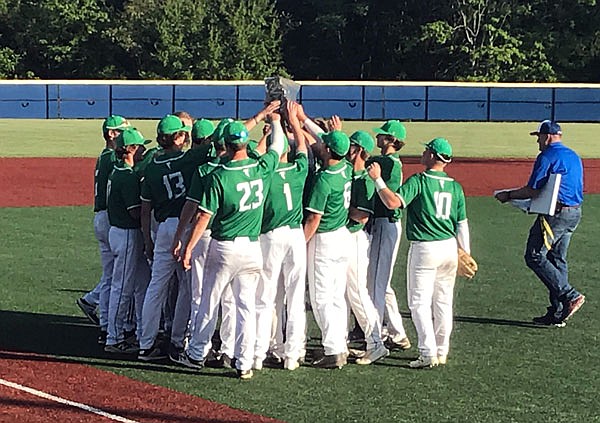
501 367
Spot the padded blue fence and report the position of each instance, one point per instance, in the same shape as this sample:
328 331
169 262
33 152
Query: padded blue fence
353 101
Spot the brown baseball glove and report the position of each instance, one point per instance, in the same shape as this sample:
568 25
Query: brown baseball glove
467 266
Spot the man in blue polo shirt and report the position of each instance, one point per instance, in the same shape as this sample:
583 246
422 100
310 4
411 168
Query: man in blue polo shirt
549 237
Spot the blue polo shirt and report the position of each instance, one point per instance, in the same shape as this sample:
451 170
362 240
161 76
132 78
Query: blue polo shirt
558 158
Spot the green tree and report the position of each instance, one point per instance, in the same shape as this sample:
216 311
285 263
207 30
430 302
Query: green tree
187 39
475 40
56 39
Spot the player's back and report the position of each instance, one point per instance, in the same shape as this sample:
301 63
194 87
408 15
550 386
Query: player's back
283 205
436 203
235 194
167 180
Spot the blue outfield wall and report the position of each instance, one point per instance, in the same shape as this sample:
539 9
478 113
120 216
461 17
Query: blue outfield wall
350 100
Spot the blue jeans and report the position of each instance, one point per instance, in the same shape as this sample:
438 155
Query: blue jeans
550 264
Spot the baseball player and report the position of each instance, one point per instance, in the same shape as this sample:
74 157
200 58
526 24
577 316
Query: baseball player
194 196
385 235
164 190
436 225
111 128
201 132
361 208
328 239
284 253
235 195
131 272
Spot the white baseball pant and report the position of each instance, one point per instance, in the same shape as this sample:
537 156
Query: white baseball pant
385 240
327 265
101 293
236 263
164 266
227 327
284 254
431 273
356 290
131 275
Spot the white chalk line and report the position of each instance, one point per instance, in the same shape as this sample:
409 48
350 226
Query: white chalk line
66 402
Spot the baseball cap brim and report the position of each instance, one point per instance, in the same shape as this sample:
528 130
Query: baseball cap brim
382 132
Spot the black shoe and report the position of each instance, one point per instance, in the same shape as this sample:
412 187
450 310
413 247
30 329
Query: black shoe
122 347
89 310
152 354
273 360
226 362
102 337
548 319
175 353
334 361
130 336
187 361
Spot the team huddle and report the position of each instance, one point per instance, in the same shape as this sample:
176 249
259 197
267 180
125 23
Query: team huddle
237 231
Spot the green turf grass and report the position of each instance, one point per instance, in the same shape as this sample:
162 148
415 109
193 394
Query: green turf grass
83 138
501 368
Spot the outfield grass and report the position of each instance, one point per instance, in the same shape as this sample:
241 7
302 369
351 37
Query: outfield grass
83 138
501 368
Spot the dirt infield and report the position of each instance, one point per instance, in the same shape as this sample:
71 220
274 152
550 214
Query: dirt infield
116 395
35 182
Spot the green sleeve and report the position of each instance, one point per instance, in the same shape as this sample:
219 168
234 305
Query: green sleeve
409 190
301 161
211 194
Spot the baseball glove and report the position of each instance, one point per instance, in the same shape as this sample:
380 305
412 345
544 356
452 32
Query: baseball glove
467 266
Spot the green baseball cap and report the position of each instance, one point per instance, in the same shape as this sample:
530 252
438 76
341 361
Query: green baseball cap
202 128
337 141
115 122
131 136
217 135
441 147
235 133
171 124
363 139
393 128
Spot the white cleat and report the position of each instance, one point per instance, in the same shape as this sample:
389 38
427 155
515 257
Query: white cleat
442 359
291 364
372 355
424 362
258 364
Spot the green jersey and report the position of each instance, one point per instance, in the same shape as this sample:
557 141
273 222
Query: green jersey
362 197
330 196
167 178
435 204
235 195
283 205
123 194
199 179
140 166
391 173
104 167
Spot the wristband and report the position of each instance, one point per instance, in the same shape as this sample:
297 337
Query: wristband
380 184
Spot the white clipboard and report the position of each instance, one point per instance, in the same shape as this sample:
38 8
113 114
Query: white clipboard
545 201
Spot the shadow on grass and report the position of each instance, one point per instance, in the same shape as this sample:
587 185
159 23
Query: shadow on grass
70 340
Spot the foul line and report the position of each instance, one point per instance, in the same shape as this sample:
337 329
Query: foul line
66 402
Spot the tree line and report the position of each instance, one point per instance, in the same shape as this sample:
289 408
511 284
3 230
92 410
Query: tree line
445 40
